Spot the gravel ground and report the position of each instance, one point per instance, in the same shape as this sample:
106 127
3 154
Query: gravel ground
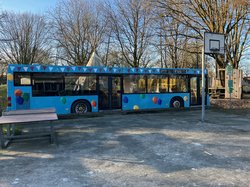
171 148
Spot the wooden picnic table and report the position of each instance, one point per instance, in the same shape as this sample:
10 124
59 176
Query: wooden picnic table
26 117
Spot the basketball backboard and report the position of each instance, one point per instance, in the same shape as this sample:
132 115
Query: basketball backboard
214 43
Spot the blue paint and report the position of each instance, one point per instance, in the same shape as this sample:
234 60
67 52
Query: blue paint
17 105
48 102
103 70
63 105
61 108
147 103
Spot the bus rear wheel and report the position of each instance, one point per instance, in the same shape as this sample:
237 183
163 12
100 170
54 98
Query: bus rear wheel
176 102
81 107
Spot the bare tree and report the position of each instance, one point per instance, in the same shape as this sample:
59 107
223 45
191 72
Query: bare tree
132 25
78 29
176 49
222 16
175 43
23 39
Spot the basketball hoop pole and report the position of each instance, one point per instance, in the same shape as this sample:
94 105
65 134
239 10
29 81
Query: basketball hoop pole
203 85
214 43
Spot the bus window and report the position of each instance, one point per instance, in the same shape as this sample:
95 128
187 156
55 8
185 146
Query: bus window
134 84
178 83
47 84
22 79
153 84
80 84
164 83
157 83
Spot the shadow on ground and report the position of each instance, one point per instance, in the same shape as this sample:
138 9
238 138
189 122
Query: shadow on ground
171 148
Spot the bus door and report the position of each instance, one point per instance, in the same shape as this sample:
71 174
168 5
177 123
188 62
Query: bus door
110 88
195 91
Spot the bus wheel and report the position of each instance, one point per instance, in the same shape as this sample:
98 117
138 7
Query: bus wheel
81 107
176 102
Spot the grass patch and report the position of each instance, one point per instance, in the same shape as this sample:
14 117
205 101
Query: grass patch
3 96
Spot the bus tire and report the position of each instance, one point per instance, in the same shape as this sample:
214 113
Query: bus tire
80 107
176 102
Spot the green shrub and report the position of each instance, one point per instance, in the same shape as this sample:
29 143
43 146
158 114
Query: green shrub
18 131
3 97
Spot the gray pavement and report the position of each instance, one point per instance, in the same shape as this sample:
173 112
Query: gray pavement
171 148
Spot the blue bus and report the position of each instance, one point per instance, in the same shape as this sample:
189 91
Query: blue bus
81 89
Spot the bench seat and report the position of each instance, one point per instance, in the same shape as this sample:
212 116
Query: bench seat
26 117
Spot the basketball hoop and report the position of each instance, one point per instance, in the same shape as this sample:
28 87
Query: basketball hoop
214 49
214 43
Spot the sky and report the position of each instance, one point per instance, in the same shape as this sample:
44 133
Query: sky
40 7
33 6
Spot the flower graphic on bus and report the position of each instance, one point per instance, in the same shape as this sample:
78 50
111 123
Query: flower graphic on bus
26 96
63 100
18 93
125 99
19 100
155 100
136 107
21 97
159 101
93 103
142 96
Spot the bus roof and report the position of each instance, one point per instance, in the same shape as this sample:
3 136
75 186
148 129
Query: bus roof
100 70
